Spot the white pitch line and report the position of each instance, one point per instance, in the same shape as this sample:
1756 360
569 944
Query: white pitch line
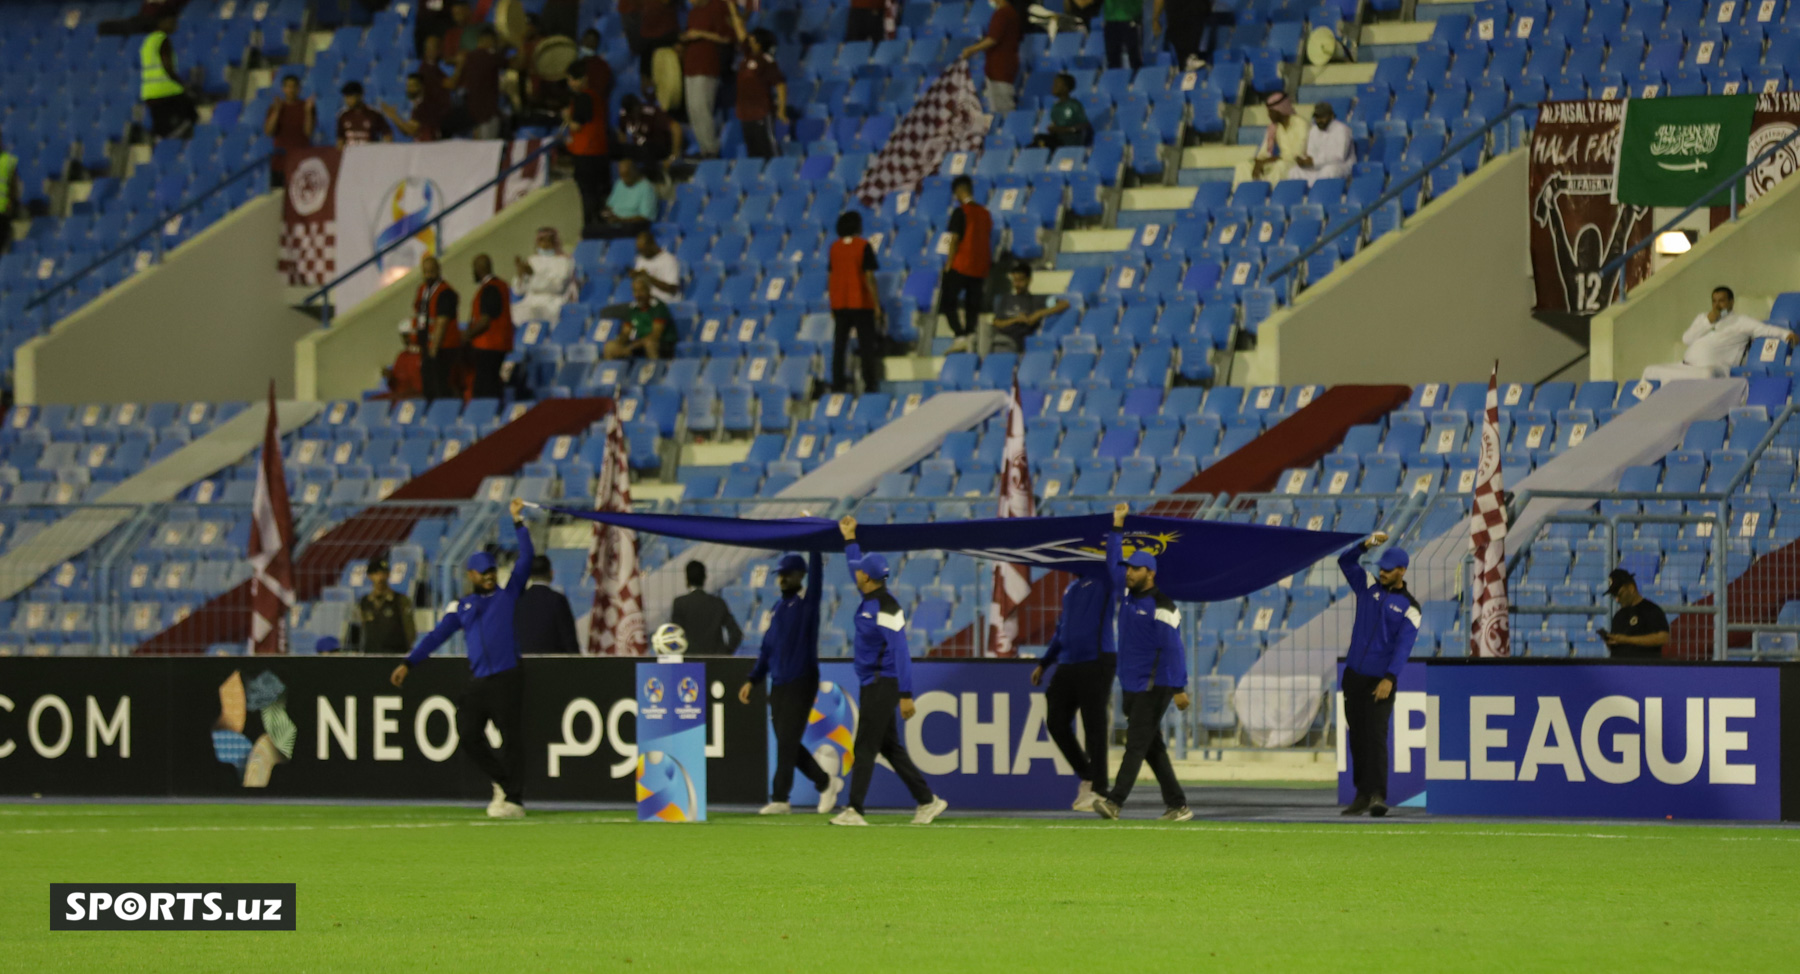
479 823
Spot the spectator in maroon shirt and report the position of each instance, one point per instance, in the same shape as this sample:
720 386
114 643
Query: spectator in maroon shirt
657 29
1005 29
478 75
705 47
647 135
357 123
426 120
290 124
431 72
761 88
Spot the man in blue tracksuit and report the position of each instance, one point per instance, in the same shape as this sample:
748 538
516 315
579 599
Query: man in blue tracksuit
1085 655
884 669
497 692
1152 674
790 659
1387 622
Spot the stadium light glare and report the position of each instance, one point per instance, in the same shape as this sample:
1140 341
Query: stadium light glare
393 274
1672 242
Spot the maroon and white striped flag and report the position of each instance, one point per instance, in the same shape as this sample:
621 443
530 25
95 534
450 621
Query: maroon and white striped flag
271 546
1489 629
616 627
947 118
1012 582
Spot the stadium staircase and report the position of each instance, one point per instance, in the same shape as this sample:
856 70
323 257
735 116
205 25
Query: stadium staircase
478 471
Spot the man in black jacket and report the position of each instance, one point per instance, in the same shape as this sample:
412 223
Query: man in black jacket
711 631
543 622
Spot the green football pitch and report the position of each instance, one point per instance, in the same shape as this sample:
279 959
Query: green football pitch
440 888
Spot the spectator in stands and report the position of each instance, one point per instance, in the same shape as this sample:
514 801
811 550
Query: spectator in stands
658 30
1640 630
631 206
1329 152
461 36
11 193
1069 124
165 98
431 22
657 267
971 256
1005 30
1716 341
1123 22
704 53
425 121
384 616
647 134
544 281
711 631
478 75
855 304
648 329
290 123
440 341
588 145
431 71
490 337
1283 141
599 75
865 22
357 123
1019 313
1187 24
406 378
544 623
761 88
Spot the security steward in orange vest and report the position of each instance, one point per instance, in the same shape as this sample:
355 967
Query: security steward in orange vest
971 256
490 329
440 340
589 146
854 305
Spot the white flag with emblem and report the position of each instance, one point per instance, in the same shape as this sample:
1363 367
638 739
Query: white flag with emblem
1489 627
271 546
1012 583
616 626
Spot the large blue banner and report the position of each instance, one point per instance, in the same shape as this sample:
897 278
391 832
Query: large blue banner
978 736
1604 739
1406 740
671 742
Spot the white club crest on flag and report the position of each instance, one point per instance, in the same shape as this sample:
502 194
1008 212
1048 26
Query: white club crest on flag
616 626
271 546
947 118
1012 582
1489 633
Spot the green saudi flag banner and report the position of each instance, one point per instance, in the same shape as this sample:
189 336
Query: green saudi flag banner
1673 150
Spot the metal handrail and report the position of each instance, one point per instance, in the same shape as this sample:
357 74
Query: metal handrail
1394 191
1731 180
323 295
162 220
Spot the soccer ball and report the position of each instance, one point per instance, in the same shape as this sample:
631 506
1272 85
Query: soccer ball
669 640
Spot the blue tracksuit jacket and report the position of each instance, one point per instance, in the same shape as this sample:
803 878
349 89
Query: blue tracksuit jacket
880 640
790 647
1387 621
486 621
1084 630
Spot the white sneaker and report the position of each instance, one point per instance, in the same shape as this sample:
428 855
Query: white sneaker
1084 797
499 799
849 816
508 810
828 800
957 345
929 811
776 808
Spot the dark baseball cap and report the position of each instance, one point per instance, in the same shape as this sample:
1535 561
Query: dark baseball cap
791 563
1618 580
481 562
377 565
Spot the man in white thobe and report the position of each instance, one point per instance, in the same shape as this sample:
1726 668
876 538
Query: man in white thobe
545 281
1716 342
1283 142
1329 152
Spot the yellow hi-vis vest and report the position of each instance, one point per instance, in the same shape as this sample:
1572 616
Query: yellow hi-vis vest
156 81
9 164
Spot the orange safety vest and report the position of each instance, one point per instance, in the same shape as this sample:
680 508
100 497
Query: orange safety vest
849 292
424 309
499 334
590 139
975 252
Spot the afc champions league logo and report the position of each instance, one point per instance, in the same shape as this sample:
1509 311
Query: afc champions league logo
405 216
667 786
653 690
688 690
309 186
1777 167
831 729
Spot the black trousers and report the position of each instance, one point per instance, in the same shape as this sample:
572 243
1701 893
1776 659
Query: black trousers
877 733
435 373
1144 742
759 138
865 25
1366 721
172 117
961 292
1082 688
868 349
1124 44
790 705
501 699
486 365
6 231
593 179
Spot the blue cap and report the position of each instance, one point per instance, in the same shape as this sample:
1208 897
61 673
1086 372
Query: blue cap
481 562
1142 559
1393 558
791 563
874 566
